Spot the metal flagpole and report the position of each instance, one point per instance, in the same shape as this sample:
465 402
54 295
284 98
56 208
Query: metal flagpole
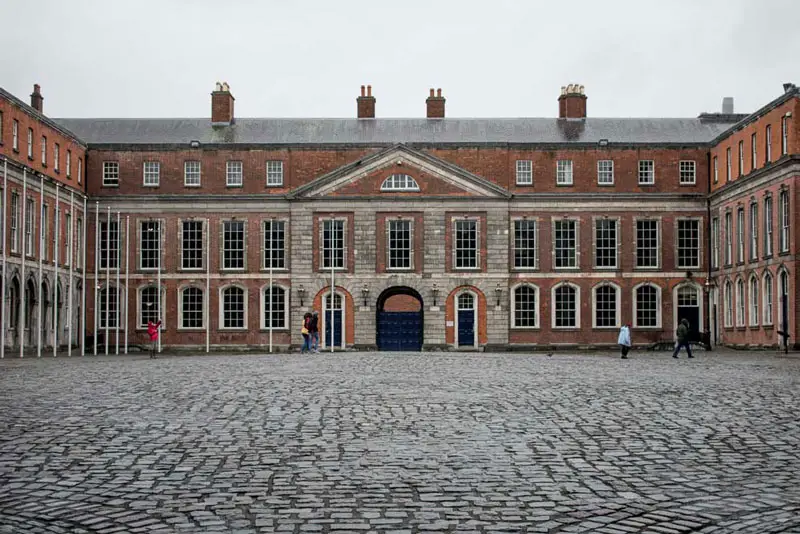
71 259
21 328
127 269
5 289
158 292
42 244
271 289
83 284
108 274
96 270
330 302
119 267
55 281
208 286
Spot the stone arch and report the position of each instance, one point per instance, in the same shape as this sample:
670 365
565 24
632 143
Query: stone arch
450 315
405 313
681 298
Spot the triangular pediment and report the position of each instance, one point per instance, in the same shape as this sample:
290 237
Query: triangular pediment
432 176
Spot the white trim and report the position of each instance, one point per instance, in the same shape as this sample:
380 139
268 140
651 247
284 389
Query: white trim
457 309
648 174
262 310
564 174
153 174
199 173
577 254
740 292
635 305
322 330
232 173
577 306
609 163
513 306
699 221
513 243
221 307
617 242
617 306
399 182
181 289
727 298
275 174
524 172
691 169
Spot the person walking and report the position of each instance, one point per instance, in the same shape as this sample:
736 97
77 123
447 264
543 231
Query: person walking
305 333
682 333
624 340
313 331
152 331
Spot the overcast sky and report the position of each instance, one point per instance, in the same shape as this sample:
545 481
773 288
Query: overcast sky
492 58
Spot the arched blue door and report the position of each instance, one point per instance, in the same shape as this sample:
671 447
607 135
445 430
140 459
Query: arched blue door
399 330
465 308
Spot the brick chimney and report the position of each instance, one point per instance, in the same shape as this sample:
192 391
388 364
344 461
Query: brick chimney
572 102
36 98
222 105
435 105
365 104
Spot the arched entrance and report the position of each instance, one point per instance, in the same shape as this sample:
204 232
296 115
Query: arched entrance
689 306
400 320
466 312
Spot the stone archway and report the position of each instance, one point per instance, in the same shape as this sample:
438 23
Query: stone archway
399 321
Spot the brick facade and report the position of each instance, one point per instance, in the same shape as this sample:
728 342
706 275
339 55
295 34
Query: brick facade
519 296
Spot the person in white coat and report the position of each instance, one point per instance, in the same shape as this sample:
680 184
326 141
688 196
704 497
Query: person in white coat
624 340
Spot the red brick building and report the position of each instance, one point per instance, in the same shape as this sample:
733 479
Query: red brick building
436 232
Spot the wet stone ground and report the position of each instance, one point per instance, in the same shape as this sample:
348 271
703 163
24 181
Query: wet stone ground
401 443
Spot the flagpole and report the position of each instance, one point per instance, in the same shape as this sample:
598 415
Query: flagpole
119 267
41 251
330 303
21 327
83 278
108 274
158 283
5 289
271 289
55 281
127 270
96 269
208 286
70 255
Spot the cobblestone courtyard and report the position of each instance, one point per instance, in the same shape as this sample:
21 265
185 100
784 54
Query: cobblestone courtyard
401 443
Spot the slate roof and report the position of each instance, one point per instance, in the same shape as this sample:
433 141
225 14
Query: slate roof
391 131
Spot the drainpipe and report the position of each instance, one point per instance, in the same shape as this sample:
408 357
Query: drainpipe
708 252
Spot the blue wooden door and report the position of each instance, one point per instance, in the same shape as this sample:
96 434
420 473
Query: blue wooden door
466 320
400 331
333 322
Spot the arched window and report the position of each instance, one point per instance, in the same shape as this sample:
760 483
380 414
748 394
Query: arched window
273 304
14 300
783 295
192 307
740 302
647 312
728 304
753 317
606 304
566 303
526 307
108 301
233 311
399 182
768 301
149 306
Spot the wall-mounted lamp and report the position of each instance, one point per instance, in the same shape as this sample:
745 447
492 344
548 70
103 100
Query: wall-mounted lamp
434 293
301 293
498 291
365 294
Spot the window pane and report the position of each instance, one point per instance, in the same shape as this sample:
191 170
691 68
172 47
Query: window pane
150 237
149 303
191 173
606 243
646 307
566 306
525 307
606 306
233 245
192 245
233 307
565 241
466 244
192 302
274 307
333 244
109 245
399 244
274 244
525 252
688 243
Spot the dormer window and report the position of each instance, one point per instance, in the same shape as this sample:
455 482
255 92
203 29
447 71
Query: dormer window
400 182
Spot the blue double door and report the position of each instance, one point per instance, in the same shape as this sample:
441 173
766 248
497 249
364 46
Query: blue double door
399 331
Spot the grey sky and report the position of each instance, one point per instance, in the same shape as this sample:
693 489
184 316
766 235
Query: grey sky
160 58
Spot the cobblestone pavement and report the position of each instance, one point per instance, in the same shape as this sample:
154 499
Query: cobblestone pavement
401 443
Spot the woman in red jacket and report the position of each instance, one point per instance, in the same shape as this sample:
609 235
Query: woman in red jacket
152 331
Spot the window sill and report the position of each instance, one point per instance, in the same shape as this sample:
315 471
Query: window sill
605 185
526 269
614 268
44 164
647 328
110 186
282 330
274 186
399 269
15 151
689 267
647 184
576 268
233 270
229 186
192 186
192 270
769 327
565 185
30 158
754 327
191 330
280 270
606 328
566 328
465 270
784 253
526 328
767 257
524 185
693 184
151 186
239 329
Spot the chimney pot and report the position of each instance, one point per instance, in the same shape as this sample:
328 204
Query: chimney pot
369 90
37 100
431 92
363 90
439 93
727 105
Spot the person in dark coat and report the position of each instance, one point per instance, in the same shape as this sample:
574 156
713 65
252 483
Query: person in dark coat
682 333
313 331
305 333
